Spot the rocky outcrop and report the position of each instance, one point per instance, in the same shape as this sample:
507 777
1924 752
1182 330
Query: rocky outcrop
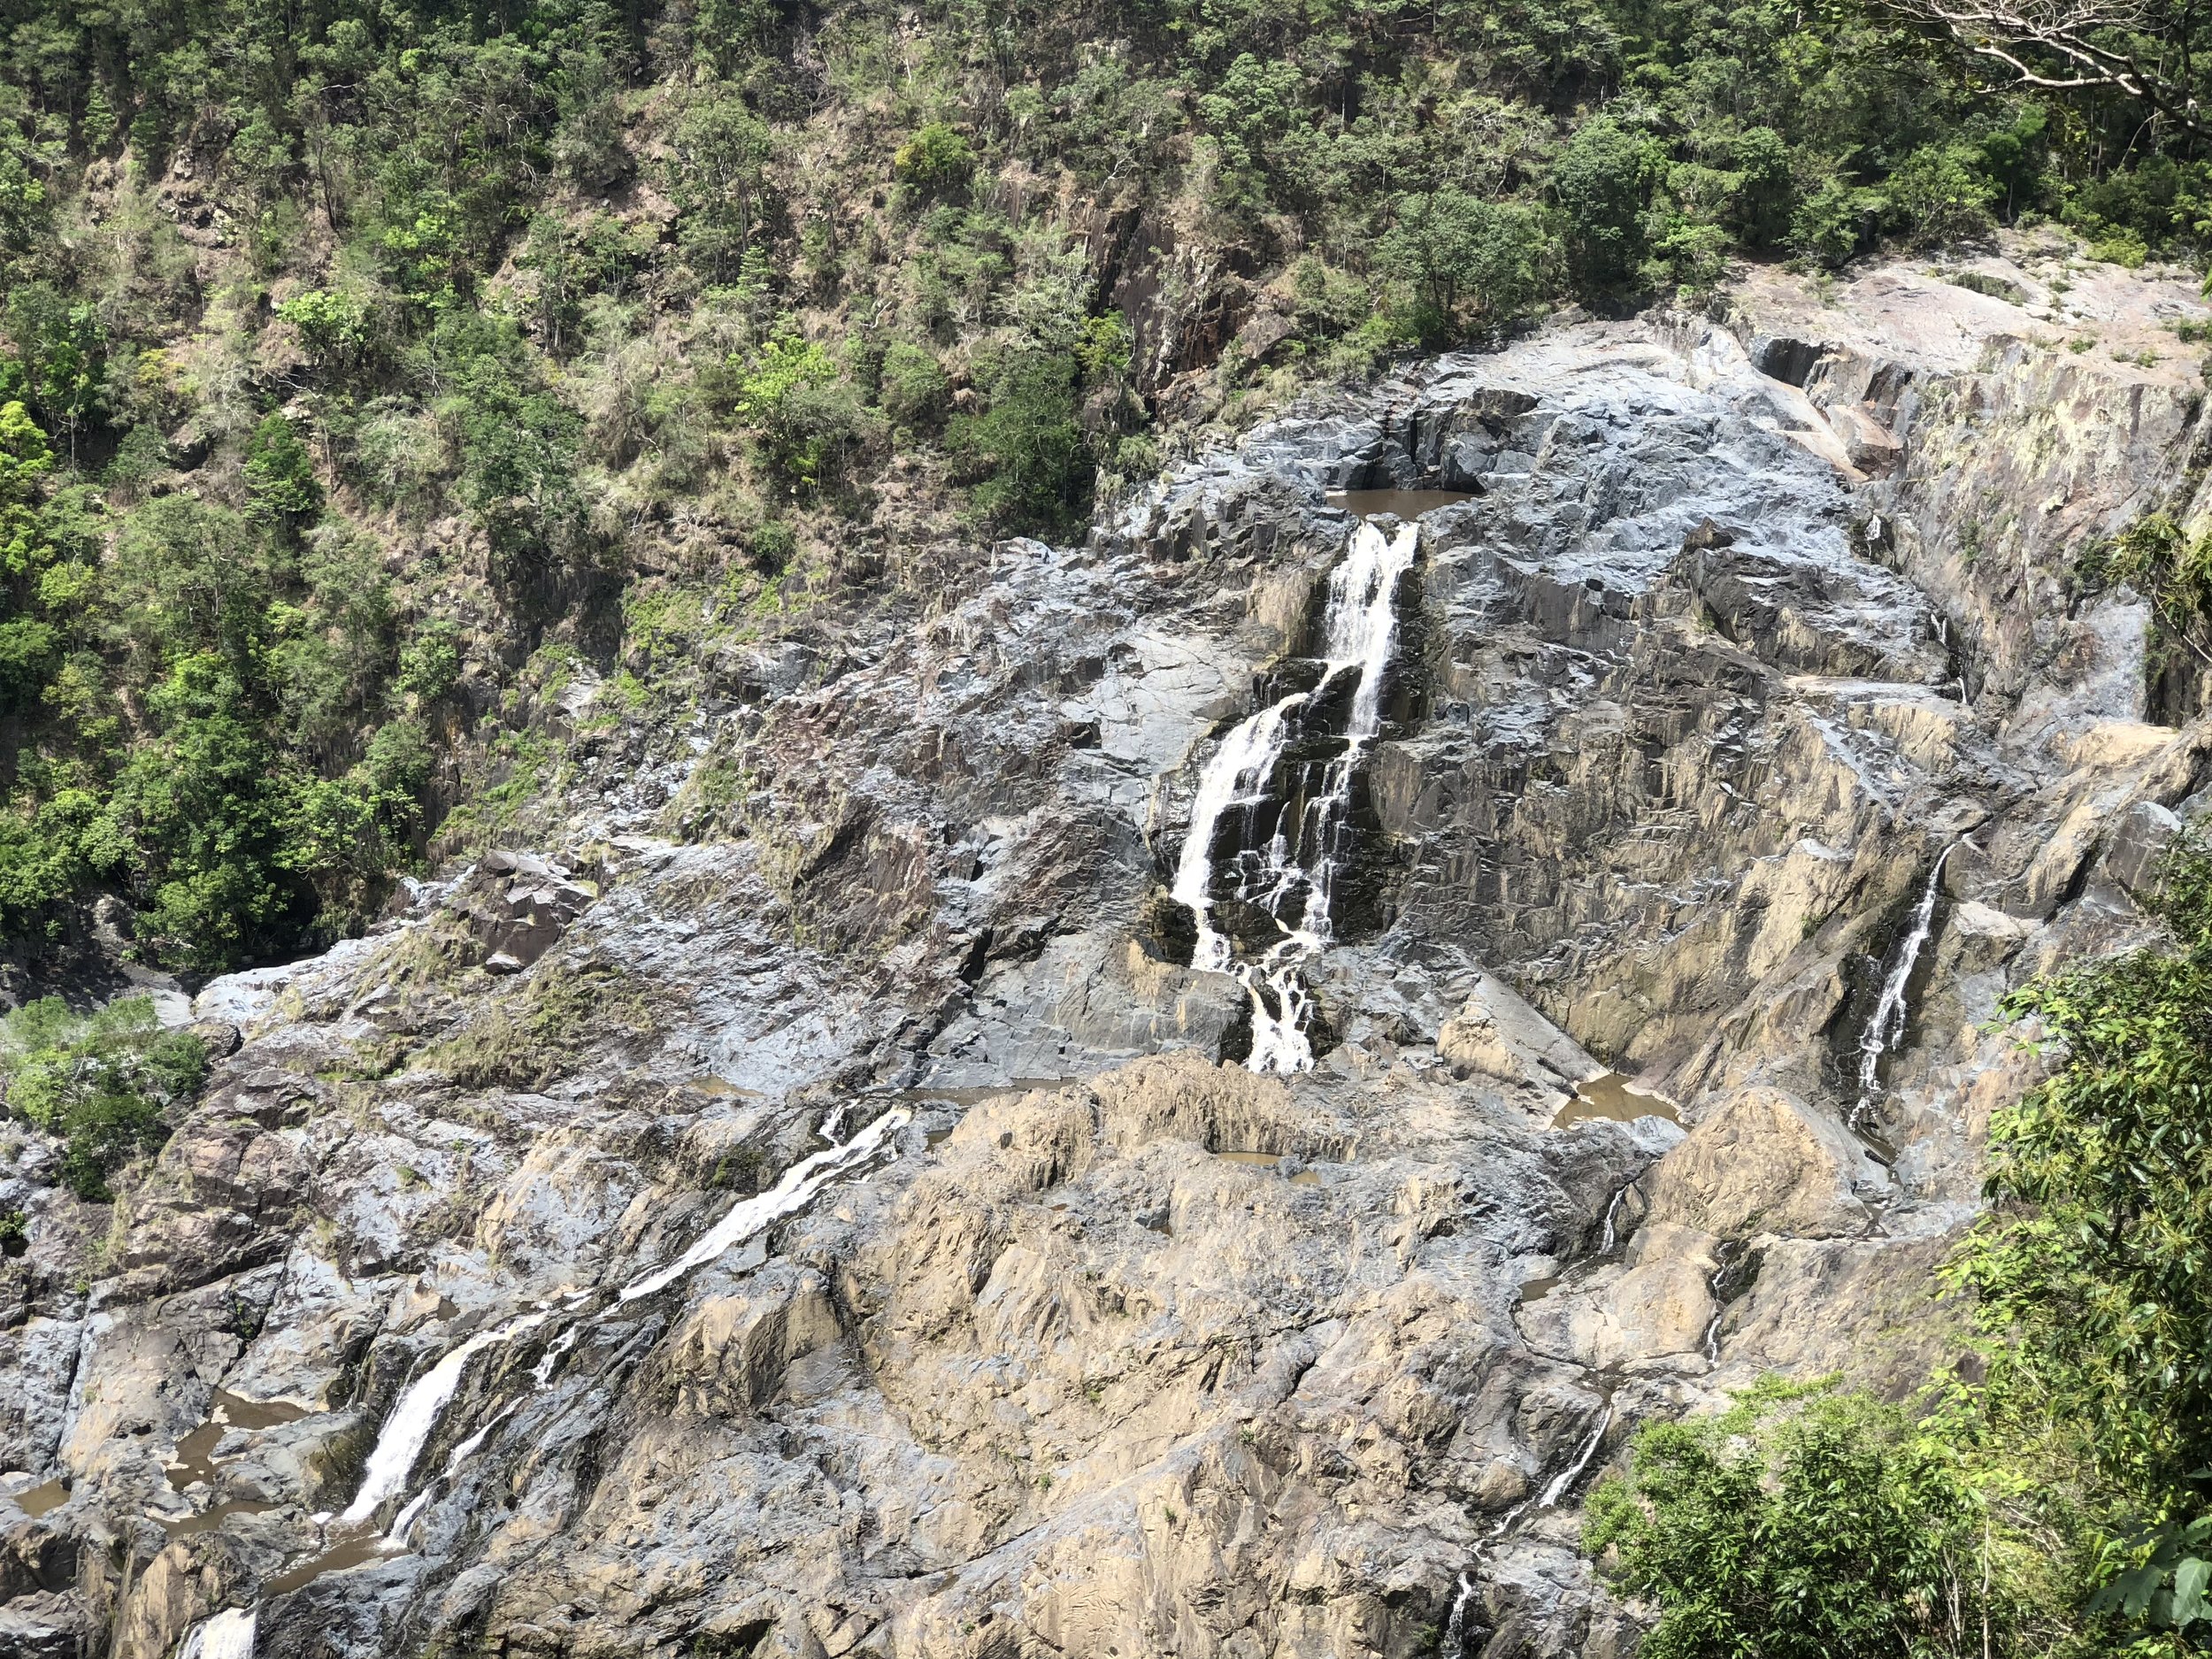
1042 1328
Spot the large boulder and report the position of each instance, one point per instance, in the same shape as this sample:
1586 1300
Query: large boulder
1765 1163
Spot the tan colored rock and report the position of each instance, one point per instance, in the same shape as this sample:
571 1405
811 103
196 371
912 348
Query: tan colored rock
1764 1163
1500 1035
731 1352
1883 1323
1658 1306
1184 1096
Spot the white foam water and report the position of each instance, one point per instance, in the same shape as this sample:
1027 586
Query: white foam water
1563 1482
225 1635
794 1192
1360 631
1455 1627
407 1429
1613 1210
541 1373
1888 1024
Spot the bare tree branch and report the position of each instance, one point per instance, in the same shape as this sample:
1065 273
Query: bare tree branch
2068 45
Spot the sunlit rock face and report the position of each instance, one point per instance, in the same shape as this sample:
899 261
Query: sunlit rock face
887 1200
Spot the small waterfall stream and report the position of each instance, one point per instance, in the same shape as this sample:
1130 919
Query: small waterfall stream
408 1427
1293 876
1887 1025
1563 1483
225 1635
795 1192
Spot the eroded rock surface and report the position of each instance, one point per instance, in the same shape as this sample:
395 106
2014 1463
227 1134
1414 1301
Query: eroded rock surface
1098 1345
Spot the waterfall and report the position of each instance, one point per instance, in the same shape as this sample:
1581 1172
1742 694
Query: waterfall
1563 1482
1612 1210
407 1429
541 1373
1887 1024
1359 631
225 1635
794 1192
1455 1627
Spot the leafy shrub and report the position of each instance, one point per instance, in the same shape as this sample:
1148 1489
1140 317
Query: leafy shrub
1028 456
936 161
914 385
2088 1272
717 176
430 662
1603 178
100 1081
804 418
1804 1524
281 483
1939 195
772 547
332 325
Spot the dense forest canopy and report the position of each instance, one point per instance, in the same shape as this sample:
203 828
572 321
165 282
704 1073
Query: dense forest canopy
372 372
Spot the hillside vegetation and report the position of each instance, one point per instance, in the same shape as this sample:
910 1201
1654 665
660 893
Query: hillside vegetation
373 374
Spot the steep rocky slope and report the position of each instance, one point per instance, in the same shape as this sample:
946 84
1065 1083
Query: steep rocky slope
1744 734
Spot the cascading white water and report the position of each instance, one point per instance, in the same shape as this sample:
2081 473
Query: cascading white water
1612 1210
407 1429
414 1417
1563 1482
1889 1022
1359 631
225 1635
794 1192
541 1373
1455 1627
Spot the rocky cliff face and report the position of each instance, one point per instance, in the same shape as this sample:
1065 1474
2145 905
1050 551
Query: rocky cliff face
816 1207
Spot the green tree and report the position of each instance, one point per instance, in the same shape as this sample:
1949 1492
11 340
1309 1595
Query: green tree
1026 454
1602 179
61 350
280 484
936 161
100 1081
2089 1271
1804 1524
717 174
1463 257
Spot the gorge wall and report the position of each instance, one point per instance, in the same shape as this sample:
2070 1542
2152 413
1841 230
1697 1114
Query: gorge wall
1752 675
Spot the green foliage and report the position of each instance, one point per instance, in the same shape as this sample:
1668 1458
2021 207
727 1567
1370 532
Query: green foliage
1804 1524
1030 459
936 161
100 1081
1602 179
2088 1272
717 176
1467 260
60 351
914 388
806 420
430 662
281 483
1940 194
333 326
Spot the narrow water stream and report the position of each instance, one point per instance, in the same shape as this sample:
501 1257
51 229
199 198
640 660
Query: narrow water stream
1886 1026
414 1419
